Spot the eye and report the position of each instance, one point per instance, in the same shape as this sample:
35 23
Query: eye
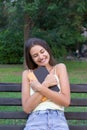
42 50
34 56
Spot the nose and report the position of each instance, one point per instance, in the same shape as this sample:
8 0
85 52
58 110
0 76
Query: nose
40 56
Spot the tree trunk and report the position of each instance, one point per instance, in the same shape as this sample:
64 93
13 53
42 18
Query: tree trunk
27 27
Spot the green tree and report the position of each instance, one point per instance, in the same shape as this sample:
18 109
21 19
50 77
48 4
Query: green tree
11 37
59 22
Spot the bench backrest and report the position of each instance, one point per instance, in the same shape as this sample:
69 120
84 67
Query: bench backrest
18 117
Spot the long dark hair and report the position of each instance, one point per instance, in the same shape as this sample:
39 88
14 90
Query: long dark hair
29 44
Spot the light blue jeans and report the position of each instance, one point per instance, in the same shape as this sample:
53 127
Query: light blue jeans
46 120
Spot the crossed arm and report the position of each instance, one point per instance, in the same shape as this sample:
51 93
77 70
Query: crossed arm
29 103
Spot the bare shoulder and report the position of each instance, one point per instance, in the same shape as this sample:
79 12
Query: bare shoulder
61 70
61 66
25 72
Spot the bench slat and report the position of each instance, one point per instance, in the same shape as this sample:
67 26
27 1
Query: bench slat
10 87
79 102
10 102
17 127
16 87
78 88
76 115
11 127
13 115
78 127
22 115
17 102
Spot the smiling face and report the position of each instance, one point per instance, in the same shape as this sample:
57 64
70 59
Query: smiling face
40 55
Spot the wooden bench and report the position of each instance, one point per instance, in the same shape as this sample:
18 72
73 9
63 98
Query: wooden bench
18 118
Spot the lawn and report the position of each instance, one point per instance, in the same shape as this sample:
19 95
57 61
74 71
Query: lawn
11 73
77 72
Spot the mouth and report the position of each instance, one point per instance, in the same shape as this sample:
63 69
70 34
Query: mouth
43 60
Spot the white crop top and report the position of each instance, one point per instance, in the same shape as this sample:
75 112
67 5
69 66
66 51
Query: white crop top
48 104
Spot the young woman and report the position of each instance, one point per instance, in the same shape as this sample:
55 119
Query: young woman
44 106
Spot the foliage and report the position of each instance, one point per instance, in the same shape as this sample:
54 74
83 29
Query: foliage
11 37
59 22
11 49
3 17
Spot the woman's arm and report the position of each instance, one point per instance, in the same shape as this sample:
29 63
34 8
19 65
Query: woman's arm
29 103
62 98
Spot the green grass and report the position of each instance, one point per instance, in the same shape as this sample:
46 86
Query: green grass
11 73
77 72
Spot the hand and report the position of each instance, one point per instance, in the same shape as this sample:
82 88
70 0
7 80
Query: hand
50 80
35 85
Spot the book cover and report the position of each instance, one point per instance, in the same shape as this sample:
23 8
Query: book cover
41 72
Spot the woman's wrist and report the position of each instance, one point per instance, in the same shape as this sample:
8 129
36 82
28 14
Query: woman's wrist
45 84
39 88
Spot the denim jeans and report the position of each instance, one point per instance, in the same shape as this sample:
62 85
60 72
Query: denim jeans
47 120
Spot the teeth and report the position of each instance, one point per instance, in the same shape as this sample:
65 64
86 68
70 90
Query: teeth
42 61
